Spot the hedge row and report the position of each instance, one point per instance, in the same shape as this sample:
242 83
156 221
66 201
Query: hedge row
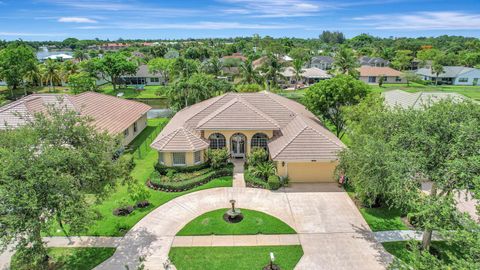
162 169
156 177
191 183
252 181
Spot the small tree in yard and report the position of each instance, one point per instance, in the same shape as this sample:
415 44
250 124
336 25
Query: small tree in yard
394 151
217 157
114 65
327 98
47 177
410 77
81 82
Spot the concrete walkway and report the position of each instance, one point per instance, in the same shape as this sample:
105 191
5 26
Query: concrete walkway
330 229
236 240
238 179
406 235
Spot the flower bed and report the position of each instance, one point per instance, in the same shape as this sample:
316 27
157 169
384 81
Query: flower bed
182 181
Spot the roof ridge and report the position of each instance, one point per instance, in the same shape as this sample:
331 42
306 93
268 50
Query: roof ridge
323 135
188 137
269 95
217 111
173 133
259 112
216 99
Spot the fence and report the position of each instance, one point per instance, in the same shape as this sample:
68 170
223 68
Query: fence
140 151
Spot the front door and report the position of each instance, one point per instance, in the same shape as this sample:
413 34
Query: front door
237 145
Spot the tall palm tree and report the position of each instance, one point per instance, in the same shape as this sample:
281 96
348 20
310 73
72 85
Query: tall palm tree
345 62
32 76
67 68
213 66
297 69
271 70
80 55
437 69
52 73
249 73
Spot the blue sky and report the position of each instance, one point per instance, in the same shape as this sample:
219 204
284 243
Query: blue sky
113 19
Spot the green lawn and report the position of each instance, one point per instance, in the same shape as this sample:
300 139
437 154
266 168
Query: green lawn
254 222
73 258
238 258
150 91
108 224
402 251
383 219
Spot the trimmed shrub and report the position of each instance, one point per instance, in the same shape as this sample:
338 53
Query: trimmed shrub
177 186
253 181
263 170
162 169
217 157
274 182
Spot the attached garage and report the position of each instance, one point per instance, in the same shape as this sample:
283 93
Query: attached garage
311 171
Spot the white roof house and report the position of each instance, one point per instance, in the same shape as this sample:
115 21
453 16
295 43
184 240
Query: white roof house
456 75
61 56
418 100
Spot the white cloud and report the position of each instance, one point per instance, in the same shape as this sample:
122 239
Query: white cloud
275 8
193 26
76 20
443 20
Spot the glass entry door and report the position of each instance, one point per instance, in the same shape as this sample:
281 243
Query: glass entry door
237 145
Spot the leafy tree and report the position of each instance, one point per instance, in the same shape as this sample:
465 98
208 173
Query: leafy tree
32 77
213 66
80 55
248 88
15 61
301 54
112 66
171 54
81 82
158 51
410 77
184 68
471 59
393 151
332 37
249 74
427 55
345 62
162 66
402 59
327 98
48 178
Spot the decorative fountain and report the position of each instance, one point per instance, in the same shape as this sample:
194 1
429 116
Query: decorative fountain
271 265
233 215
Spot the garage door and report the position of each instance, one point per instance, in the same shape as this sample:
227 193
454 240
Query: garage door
311 172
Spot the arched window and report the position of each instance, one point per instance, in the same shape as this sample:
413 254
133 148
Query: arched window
260 140
217 141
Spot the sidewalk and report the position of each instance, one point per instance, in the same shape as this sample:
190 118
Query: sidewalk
394 236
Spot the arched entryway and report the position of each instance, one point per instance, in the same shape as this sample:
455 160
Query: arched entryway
238 145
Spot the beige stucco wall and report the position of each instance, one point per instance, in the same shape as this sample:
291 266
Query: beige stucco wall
141 124
389 79
307 171
189 158
248 134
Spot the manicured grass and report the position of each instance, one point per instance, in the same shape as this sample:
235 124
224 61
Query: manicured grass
108 224
254 222
238 258
383 219
402 251
73 258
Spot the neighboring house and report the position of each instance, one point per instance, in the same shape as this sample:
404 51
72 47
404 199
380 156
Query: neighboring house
259 62
143 77
321 62
301 147
58 57
111 114
114 46
2 83
238 56
309 76
373 61
452 75
417 100
372 75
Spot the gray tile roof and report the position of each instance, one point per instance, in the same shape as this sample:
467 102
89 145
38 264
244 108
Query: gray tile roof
417 100
448 71
299 135
322 59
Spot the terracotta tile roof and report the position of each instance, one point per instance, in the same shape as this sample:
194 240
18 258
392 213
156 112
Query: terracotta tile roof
304 139
180 140
109 113
238 114
299 134
378 71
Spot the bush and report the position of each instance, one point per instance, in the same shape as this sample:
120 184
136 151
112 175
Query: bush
257 156
248 88
162 169
177 186
263 170
274 182
217 157
253 181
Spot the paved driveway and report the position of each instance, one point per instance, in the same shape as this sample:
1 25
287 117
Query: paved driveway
332 232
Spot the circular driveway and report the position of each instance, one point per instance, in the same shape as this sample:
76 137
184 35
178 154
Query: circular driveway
332 232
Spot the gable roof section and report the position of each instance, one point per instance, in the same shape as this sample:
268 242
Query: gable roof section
304 140
378 71
180 140
238 114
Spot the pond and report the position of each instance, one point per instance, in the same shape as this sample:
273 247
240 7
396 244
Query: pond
159 106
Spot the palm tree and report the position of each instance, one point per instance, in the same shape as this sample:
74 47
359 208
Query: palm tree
271 70
51 73
66 69
80 55
248 73
345 62
297 69
213 66
32 76
437 68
